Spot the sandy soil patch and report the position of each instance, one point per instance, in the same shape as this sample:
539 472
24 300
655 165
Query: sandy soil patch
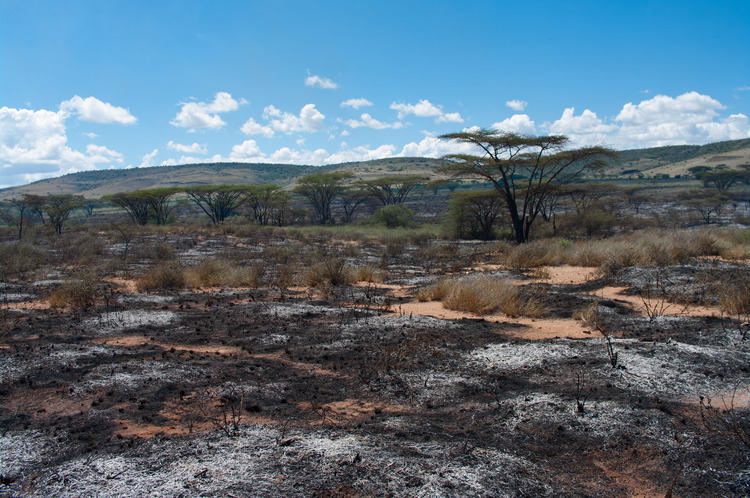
313 368
535 328
139 340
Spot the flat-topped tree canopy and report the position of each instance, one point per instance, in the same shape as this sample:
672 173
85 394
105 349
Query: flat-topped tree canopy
523 168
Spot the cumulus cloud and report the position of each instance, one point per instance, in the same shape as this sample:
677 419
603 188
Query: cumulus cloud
368 121
320 82
518 123
194 148
435 147
586 129
516 105
690 118
309 120
94 110
148 159
426 109
361 153
195 115
356 103
247 151
34 145
101 154
252 127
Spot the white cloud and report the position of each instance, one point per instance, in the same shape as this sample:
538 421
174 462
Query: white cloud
368 121
435 147
195 115
690 118
101 154
34 145
194 148
148 159
320 82
425 109
252 127
285 155
247 151
517 105
356 103
362 153
345 133
93 109
90 135
518 123
450 117
586 129
309 120
744 88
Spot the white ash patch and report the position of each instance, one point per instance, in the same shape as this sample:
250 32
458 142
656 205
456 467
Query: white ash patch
401 321
108 323
254 464
48 283
433 385
144 298
60 355
21 450
676 370
514 356
14 297
293 310
135 374
275 339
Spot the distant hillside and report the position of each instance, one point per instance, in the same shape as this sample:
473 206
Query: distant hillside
672 160
676 159
94 184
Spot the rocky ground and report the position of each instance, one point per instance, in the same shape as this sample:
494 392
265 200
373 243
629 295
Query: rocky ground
360 390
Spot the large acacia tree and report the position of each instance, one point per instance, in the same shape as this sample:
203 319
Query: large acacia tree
321 189
522 168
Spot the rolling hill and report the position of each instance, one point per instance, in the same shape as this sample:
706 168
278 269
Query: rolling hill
671 160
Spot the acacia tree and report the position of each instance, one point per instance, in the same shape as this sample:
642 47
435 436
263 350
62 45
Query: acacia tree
265 200
321 189
477 211
218 201
723 179
522 168
21 221
351 199
58 209
392 189
134 203
158 202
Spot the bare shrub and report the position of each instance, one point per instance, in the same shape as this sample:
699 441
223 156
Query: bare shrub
223 408
165 275
79 248
74 294
731 421
18 258
734 298
330 271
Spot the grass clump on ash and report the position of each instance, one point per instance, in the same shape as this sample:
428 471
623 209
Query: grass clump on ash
74 294
163 276
482 295
217 272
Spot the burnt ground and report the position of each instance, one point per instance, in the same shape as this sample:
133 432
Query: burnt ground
286 391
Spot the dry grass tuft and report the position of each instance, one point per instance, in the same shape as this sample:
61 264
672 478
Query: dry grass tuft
482 295
215 272
169 275
74 294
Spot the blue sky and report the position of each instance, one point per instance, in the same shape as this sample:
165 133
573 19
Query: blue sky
120 84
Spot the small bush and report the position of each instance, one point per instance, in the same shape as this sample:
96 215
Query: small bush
166 275
74 294
395 216
17 258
